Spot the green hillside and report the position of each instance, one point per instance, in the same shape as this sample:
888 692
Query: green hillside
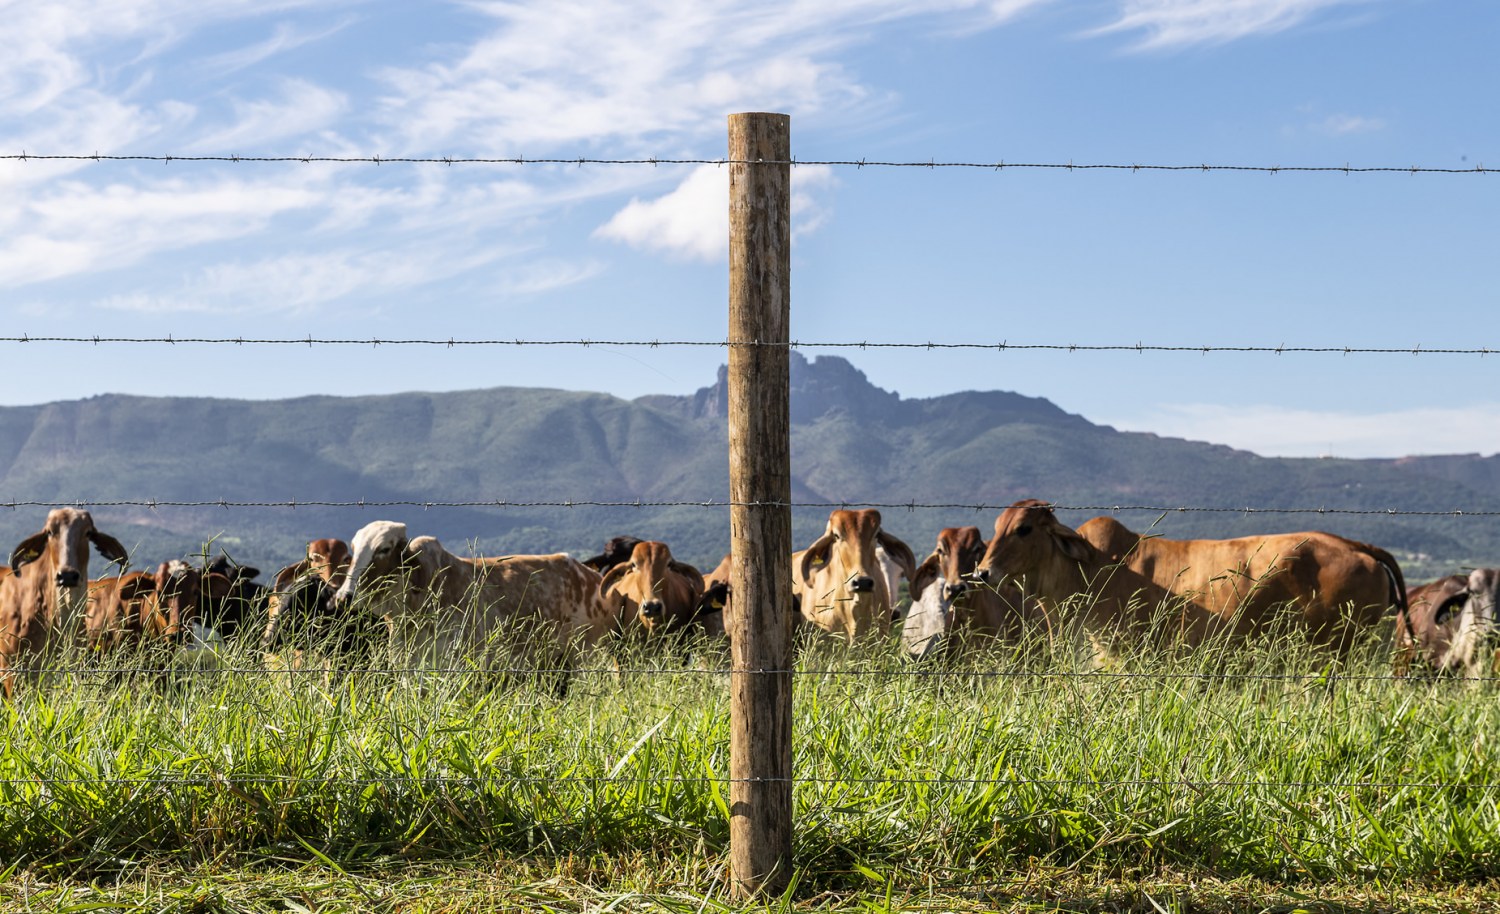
851 442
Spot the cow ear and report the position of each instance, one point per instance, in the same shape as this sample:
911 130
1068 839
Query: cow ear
692 574
29 550
1072 545
108 546
612 577
925 574
290 573
899 551
816 554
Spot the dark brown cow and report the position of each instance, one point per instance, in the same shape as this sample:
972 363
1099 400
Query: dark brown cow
46 593
1330 587
839 578
616 551
1115 605
1451 625
652 590
947 604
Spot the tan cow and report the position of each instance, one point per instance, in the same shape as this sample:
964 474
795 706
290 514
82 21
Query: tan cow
441 608
1330 587
1114 606
44 599
948 606
122 611
653 591
839 578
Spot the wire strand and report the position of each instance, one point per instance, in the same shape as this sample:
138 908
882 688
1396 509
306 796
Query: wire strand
154 503
1004 346
862 163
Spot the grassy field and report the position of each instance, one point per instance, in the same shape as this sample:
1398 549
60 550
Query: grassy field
997 782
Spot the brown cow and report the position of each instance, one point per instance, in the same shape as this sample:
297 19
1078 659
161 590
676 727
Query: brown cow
122 611
47 590
1115 605
652 590
1328 586
948 605
1451 624
440 608
839 578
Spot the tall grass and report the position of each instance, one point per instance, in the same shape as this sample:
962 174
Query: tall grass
1274 764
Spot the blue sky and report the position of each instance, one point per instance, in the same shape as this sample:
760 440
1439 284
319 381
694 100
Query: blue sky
893 255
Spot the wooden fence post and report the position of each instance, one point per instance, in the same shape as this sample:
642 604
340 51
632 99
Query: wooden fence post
760 630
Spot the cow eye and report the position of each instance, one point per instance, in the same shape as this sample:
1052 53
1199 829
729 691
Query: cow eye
1023 530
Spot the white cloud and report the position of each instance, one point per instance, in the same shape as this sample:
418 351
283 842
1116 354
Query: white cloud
1345 124
692 221
645 72
299 108
75 228
1274 431
1177 23
300 282
286 37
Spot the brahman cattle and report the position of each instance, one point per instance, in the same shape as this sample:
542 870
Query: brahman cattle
301 611
1327 586
1112 605
948 606
440 608
839 579
653 592
122 611
1451 624
47 591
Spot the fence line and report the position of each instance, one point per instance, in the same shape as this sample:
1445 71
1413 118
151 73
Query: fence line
915 672
579 161
226 504
502 780
1003 346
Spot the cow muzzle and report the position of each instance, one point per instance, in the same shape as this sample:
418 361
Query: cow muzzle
68 577
654 610
955 590
862 584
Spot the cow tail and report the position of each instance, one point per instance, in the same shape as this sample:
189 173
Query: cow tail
1403 659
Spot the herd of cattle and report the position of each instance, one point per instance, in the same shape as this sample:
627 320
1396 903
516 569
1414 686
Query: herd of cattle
1100 586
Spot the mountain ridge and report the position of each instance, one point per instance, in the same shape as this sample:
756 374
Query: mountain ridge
852 442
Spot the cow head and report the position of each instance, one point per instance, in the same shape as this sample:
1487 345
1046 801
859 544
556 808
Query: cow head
378 555
643 588
329 559
1028 539
62 547
937 589
848 545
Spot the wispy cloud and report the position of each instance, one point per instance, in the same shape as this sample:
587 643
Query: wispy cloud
287 36
692 221
297 108
1178 23
1345 124
659 72
1273 431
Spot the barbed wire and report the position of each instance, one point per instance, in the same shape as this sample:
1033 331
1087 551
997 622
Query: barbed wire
472 782
292 503
1003 346
1330 679
861 163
